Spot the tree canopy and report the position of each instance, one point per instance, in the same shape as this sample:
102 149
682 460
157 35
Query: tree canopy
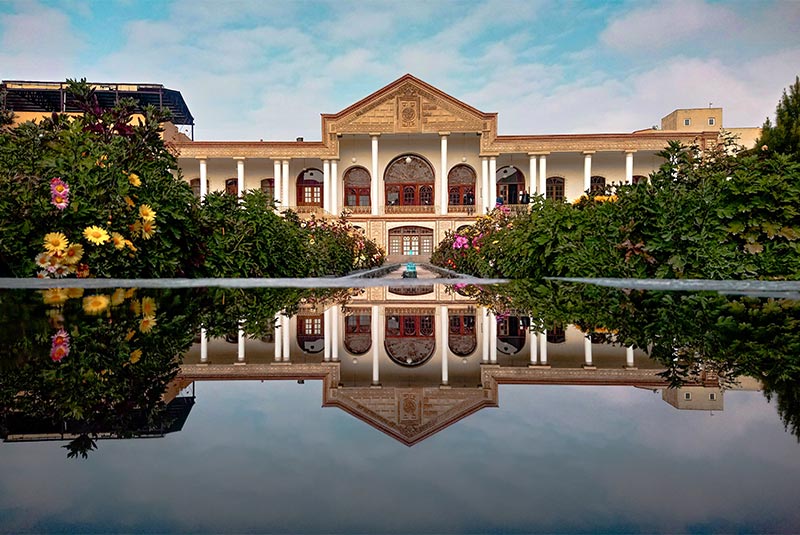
784 135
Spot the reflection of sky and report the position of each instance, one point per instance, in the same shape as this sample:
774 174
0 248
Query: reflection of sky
264 457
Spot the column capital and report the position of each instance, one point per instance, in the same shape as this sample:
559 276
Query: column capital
630 151
539 153
444 134
201 158
588 152
242 158
374 134
281 158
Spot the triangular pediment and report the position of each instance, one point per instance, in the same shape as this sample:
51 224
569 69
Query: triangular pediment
411 414
408 105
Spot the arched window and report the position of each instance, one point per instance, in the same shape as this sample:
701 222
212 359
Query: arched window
232 186
309 188
555 188
511 334
268 187
597 185
639 179
410 241
461 187
358 332
409 182
310 333
461 337
195 184
410 339
510 183
356 187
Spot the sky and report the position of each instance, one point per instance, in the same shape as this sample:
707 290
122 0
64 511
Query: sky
256 69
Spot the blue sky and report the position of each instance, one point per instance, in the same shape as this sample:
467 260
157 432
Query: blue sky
252 69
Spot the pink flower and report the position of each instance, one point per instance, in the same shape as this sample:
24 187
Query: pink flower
59 193
59 202
461 242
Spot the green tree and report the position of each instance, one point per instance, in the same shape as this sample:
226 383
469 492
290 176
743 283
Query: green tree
784 135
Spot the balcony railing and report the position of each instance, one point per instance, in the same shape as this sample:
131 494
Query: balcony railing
461 209
409 209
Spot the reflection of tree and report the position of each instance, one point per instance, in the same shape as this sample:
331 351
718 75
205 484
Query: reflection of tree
124 348
699 338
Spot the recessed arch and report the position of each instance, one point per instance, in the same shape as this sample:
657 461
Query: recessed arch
555 188
597 184
357 183
410 240
310 187
232 186
311 333
461 187
510 184
410 339
511 334
358 332
461 337
408 181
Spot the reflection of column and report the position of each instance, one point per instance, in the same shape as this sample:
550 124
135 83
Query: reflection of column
239 176
587 353
445 341
587 170
373 188
378 330
443 191
326 185
533 187
492 338
543 174
277 337
203 346
629 166
326 331
485 338
286 327
277 186
203 178
285 183
335 187
240 345
485 201
534 347
629 357
543 348
334 334
492 181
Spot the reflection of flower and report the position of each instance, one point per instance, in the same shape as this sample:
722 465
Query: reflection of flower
147 324
95 304
55 242
118 297
148 306
55 296
60 345
96 235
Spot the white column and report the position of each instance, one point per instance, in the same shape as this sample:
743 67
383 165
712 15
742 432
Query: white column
240 345
629 357
587 352
629 166
326 330
373 190
334 334
534 184
492 338
534 348
326 185
587 171
286 327
203 346
543 174
485 338
376 329
285 183
335 188
543 348
277 190
203 178
277 338
443 193
486 203
492 181
240 176
445 342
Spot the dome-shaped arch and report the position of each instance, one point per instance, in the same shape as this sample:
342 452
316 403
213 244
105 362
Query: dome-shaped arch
310 186
408 181
510 184
410 339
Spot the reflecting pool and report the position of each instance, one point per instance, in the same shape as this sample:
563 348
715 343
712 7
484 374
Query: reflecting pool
528 407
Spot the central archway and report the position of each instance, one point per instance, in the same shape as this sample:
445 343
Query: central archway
409 181
410 240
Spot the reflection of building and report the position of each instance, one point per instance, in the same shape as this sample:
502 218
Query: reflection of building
413 365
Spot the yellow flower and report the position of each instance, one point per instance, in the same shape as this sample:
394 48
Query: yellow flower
55 296
130 292
134 179
75 293
148 306
136 307
73 254
136 227
119 241
96 235
129 202
130 335
136 354
147 324
148 229
118 297
147 213
130 245
55 242
42 260
95 304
